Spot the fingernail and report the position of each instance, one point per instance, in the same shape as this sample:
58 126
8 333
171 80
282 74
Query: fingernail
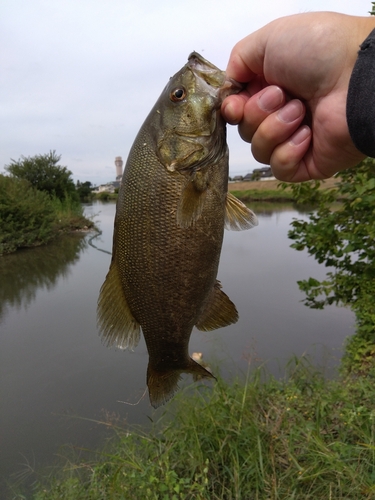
302 134
271 99
291 111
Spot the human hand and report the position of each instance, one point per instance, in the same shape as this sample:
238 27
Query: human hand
293 110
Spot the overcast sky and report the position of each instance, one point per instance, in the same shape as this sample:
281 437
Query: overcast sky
80 76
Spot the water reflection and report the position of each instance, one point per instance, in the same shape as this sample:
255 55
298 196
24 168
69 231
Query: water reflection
268 209
25 271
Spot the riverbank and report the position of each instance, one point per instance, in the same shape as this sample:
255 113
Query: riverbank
268 190
304 437
30 218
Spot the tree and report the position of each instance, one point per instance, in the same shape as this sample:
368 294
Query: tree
343 238
84 190
44 174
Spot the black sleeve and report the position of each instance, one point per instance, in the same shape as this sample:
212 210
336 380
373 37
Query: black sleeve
360 104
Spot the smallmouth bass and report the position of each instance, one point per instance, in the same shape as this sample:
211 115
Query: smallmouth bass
171 211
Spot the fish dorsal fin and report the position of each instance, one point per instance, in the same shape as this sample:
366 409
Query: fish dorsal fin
192 200
219 311
237 215
163 385
116 323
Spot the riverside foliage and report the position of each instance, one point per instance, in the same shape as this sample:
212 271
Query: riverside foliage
343 239
37 202
44 174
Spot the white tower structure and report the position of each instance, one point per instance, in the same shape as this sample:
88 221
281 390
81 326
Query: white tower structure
119 163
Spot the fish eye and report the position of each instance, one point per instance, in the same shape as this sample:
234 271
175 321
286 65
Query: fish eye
177 94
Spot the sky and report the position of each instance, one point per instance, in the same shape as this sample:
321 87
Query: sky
80 76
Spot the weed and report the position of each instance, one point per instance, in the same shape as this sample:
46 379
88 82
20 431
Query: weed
256 438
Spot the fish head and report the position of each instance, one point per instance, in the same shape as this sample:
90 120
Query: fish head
187 123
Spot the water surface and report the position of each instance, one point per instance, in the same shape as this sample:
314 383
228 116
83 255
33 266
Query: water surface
57 378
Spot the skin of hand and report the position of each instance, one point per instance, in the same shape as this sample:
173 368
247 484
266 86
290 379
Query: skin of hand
293 108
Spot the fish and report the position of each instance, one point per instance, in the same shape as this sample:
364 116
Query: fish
172 207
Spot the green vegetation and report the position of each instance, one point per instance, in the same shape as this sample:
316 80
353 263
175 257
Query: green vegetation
84 191
302 438
106 196
38 201
272 195
26 215
344 240
43 173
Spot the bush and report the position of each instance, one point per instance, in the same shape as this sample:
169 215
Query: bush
104 196
30 218
343 238
26 215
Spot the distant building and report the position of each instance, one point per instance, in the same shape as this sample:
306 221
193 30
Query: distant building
263 174
119 164
110 187
248 177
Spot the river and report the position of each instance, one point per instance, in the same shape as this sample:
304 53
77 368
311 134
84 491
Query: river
57 379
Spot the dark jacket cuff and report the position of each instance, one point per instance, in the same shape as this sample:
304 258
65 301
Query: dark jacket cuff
360 104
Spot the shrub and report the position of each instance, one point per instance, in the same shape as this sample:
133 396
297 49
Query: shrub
26 215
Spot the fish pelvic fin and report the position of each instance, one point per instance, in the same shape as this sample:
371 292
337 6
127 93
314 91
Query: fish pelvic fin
218 312
192 200
116 323
237 215
163 385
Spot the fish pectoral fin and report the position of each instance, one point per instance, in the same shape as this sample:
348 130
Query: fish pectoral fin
163 385
219 311
237 215
191 203
116 323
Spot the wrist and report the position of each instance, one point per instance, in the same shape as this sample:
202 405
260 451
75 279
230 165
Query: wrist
360 104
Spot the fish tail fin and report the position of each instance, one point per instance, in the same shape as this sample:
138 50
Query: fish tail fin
163 385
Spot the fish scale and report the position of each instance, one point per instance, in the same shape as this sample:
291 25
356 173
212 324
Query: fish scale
169 224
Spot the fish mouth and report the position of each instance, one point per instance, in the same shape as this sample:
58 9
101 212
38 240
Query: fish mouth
230 87
219 84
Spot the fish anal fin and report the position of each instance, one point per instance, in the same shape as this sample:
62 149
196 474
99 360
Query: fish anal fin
237 215
219 311
163 385
116 323
192 200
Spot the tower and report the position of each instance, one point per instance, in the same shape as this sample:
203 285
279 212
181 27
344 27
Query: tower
119 163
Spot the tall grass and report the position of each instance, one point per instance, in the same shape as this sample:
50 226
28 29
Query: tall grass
69 214
301 438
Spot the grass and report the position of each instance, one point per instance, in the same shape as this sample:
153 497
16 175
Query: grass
70 216
268 190
300 438
264 195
